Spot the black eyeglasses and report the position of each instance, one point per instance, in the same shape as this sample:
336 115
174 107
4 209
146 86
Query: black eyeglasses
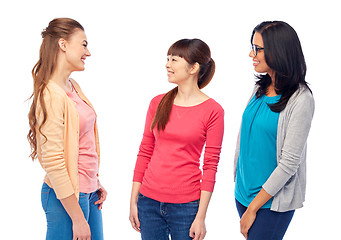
255 49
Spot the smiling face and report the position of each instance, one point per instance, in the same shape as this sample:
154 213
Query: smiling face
259 61
76 51
178 69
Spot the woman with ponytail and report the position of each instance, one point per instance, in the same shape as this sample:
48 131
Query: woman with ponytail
270 159
170 194
63 136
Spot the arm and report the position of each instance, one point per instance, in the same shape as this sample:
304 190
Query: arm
134 218
53 162
143 158
295 139
198 228
249 215
214 138
80 226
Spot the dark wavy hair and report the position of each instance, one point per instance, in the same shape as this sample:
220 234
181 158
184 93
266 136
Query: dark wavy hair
193 51
283 54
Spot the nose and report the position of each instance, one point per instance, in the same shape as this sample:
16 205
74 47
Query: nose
167 64
252 54
88 54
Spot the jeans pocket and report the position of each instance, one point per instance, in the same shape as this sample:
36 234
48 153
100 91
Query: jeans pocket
45 192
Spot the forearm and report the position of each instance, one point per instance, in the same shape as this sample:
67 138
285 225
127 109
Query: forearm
258 202
73 208
135 192
205 198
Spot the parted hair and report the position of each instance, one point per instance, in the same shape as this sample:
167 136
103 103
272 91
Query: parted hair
283 54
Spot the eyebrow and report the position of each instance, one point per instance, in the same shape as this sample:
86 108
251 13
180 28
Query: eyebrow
257 46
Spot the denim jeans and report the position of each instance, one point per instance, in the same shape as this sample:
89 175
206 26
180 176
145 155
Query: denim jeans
268 224
159 220
59 224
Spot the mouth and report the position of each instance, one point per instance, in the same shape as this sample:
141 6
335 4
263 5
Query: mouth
83 59
169 73
255 63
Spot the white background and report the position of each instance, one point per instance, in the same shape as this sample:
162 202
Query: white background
129 41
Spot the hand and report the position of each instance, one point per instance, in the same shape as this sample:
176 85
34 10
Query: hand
102 195
134 218
246 222
81 230
198 229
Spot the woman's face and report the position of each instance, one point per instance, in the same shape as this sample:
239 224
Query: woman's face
76 50
178 69
259 61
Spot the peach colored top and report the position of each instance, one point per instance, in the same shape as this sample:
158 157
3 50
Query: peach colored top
58 154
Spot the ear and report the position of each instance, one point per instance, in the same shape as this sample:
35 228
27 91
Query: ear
62 44
195 68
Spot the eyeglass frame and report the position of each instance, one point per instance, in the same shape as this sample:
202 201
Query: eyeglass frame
255 49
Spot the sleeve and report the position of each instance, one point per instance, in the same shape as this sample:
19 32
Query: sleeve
294 144
146 147
214 139
52 147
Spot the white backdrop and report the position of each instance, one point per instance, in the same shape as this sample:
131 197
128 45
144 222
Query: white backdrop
129 41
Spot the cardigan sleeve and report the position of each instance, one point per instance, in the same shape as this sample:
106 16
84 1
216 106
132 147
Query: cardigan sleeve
297 130
52 145
147 145
214 138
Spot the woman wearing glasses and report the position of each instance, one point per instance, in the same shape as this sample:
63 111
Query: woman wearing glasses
168 182
270 159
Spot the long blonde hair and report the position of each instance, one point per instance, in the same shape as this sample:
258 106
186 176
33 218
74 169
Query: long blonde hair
58 28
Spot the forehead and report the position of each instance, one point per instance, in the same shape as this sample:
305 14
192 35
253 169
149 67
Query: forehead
257 39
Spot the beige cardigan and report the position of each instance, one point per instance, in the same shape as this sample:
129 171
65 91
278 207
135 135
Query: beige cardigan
58 155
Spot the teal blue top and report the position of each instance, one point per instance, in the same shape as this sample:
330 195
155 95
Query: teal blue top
257 153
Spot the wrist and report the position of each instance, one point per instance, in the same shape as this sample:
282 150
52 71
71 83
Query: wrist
252 209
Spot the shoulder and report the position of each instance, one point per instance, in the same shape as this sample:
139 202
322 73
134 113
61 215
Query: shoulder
214 105
54 93
303 95
157 99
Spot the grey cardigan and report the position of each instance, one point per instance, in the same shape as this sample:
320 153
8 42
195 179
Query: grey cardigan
287 183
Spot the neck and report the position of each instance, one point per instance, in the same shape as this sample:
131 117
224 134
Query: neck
189 94
186 92
61 76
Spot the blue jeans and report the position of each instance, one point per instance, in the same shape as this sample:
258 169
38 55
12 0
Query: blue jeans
269 225
59 224
158 220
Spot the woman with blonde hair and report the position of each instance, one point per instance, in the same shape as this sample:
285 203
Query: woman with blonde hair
63 136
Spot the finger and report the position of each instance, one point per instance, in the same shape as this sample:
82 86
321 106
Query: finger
202 236
135 224
100 206
196 236
191 233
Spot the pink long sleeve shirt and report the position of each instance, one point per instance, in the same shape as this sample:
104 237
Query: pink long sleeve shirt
168 162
